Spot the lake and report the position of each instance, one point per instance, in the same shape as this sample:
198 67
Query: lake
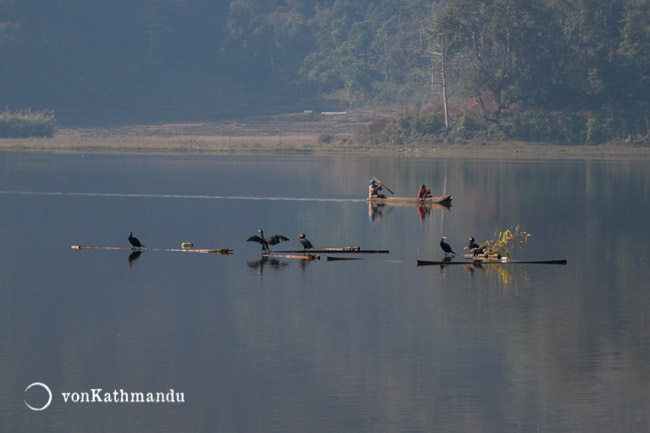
283 345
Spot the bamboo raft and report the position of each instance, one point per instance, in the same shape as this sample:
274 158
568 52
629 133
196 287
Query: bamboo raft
441 200
493 261
222 251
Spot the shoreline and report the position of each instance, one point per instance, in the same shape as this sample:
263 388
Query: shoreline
309 145
290 134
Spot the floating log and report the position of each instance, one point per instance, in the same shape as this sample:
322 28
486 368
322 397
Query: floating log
493 261
84 247
307 256
337 250
222 251
332 259
352 249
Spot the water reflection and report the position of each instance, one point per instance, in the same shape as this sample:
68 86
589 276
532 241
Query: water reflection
373 345
471 268
423 212
135 255
378 211
271 262
508 276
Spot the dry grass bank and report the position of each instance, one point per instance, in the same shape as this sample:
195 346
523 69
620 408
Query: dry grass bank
291 133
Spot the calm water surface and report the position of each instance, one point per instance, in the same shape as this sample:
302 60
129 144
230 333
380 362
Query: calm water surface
372 345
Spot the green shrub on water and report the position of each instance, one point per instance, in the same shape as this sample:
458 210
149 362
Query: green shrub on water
27 123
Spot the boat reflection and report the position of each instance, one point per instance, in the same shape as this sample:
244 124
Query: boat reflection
377 211
423 212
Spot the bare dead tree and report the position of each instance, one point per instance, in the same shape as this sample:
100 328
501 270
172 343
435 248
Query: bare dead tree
438 51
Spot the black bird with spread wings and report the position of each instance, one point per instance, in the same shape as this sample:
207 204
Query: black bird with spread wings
265 242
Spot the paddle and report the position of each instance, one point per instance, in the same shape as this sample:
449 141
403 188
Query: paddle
382 184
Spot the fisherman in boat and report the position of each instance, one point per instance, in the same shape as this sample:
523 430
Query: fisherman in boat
374 188
424 192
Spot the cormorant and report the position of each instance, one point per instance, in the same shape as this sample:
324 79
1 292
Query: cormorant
475 248
306 245
445 246
472 245
276 239
265 242
260 240
135 243
480 250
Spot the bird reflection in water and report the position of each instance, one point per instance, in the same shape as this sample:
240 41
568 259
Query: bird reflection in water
444 264
473 267
266 261
135 255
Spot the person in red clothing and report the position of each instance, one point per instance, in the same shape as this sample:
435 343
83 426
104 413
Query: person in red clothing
423 192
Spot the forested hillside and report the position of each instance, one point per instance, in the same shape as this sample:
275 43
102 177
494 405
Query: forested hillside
183 59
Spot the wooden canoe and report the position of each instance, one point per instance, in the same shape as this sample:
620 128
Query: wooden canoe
441 199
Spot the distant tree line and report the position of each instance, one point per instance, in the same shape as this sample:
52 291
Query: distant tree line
560 70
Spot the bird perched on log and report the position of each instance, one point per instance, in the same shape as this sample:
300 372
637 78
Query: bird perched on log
446 247
480 250
475 248
472 244
306 245
265 242
135 243
276 239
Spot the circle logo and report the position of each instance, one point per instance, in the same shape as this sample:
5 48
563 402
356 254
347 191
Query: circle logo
49 398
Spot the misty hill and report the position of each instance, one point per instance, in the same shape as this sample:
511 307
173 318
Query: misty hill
150 60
